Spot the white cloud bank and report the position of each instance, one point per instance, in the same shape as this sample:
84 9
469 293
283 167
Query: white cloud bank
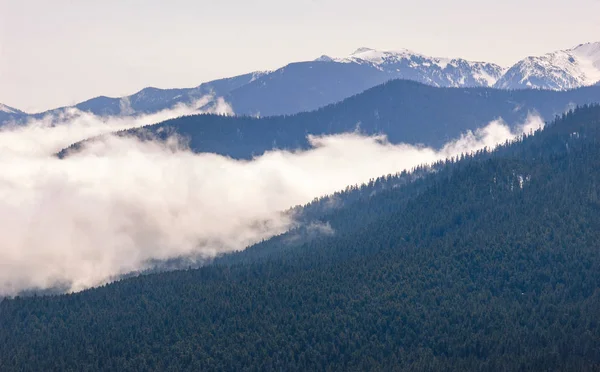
56 131
120 203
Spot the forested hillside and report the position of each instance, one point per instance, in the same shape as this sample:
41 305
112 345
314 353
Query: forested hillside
489 263
405 111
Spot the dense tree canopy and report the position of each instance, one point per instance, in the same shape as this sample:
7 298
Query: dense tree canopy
489 263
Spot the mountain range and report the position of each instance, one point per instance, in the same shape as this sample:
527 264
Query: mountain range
484 261
564 69
488 263
441 72
10 113
405 111
305 86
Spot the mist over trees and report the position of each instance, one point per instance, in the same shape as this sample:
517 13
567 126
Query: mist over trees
490 262
405 111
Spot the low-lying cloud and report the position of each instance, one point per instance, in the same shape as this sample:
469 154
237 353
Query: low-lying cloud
120 204
55 131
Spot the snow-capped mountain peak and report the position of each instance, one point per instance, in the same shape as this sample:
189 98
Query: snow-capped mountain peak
588 50
444 72
588 56
379 57
308 85
563 69
324 58
9 110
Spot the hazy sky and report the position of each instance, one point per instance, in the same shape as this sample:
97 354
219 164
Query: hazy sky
59 52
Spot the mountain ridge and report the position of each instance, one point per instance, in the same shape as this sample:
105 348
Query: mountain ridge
493 266
404 110
308 85
560 70
447 72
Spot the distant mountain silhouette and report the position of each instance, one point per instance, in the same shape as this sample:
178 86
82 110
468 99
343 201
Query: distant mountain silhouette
405 111
489 263
306 86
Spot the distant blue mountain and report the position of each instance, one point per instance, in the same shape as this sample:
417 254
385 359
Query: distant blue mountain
151 100
8 113
406 111
560 70
306 86
302 86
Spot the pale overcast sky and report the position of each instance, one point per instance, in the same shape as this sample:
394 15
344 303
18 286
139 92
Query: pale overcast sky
59 52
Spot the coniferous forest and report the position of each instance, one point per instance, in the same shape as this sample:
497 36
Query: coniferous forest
405 111
489 262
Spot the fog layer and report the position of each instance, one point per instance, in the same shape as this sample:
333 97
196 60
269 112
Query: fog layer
120 203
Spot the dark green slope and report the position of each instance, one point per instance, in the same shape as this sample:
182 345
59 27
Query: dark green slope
405 111
473 272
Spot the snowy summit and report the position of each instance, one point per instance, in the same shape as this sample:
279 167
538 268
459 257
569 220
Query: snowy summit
443 72
9 110
560 70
